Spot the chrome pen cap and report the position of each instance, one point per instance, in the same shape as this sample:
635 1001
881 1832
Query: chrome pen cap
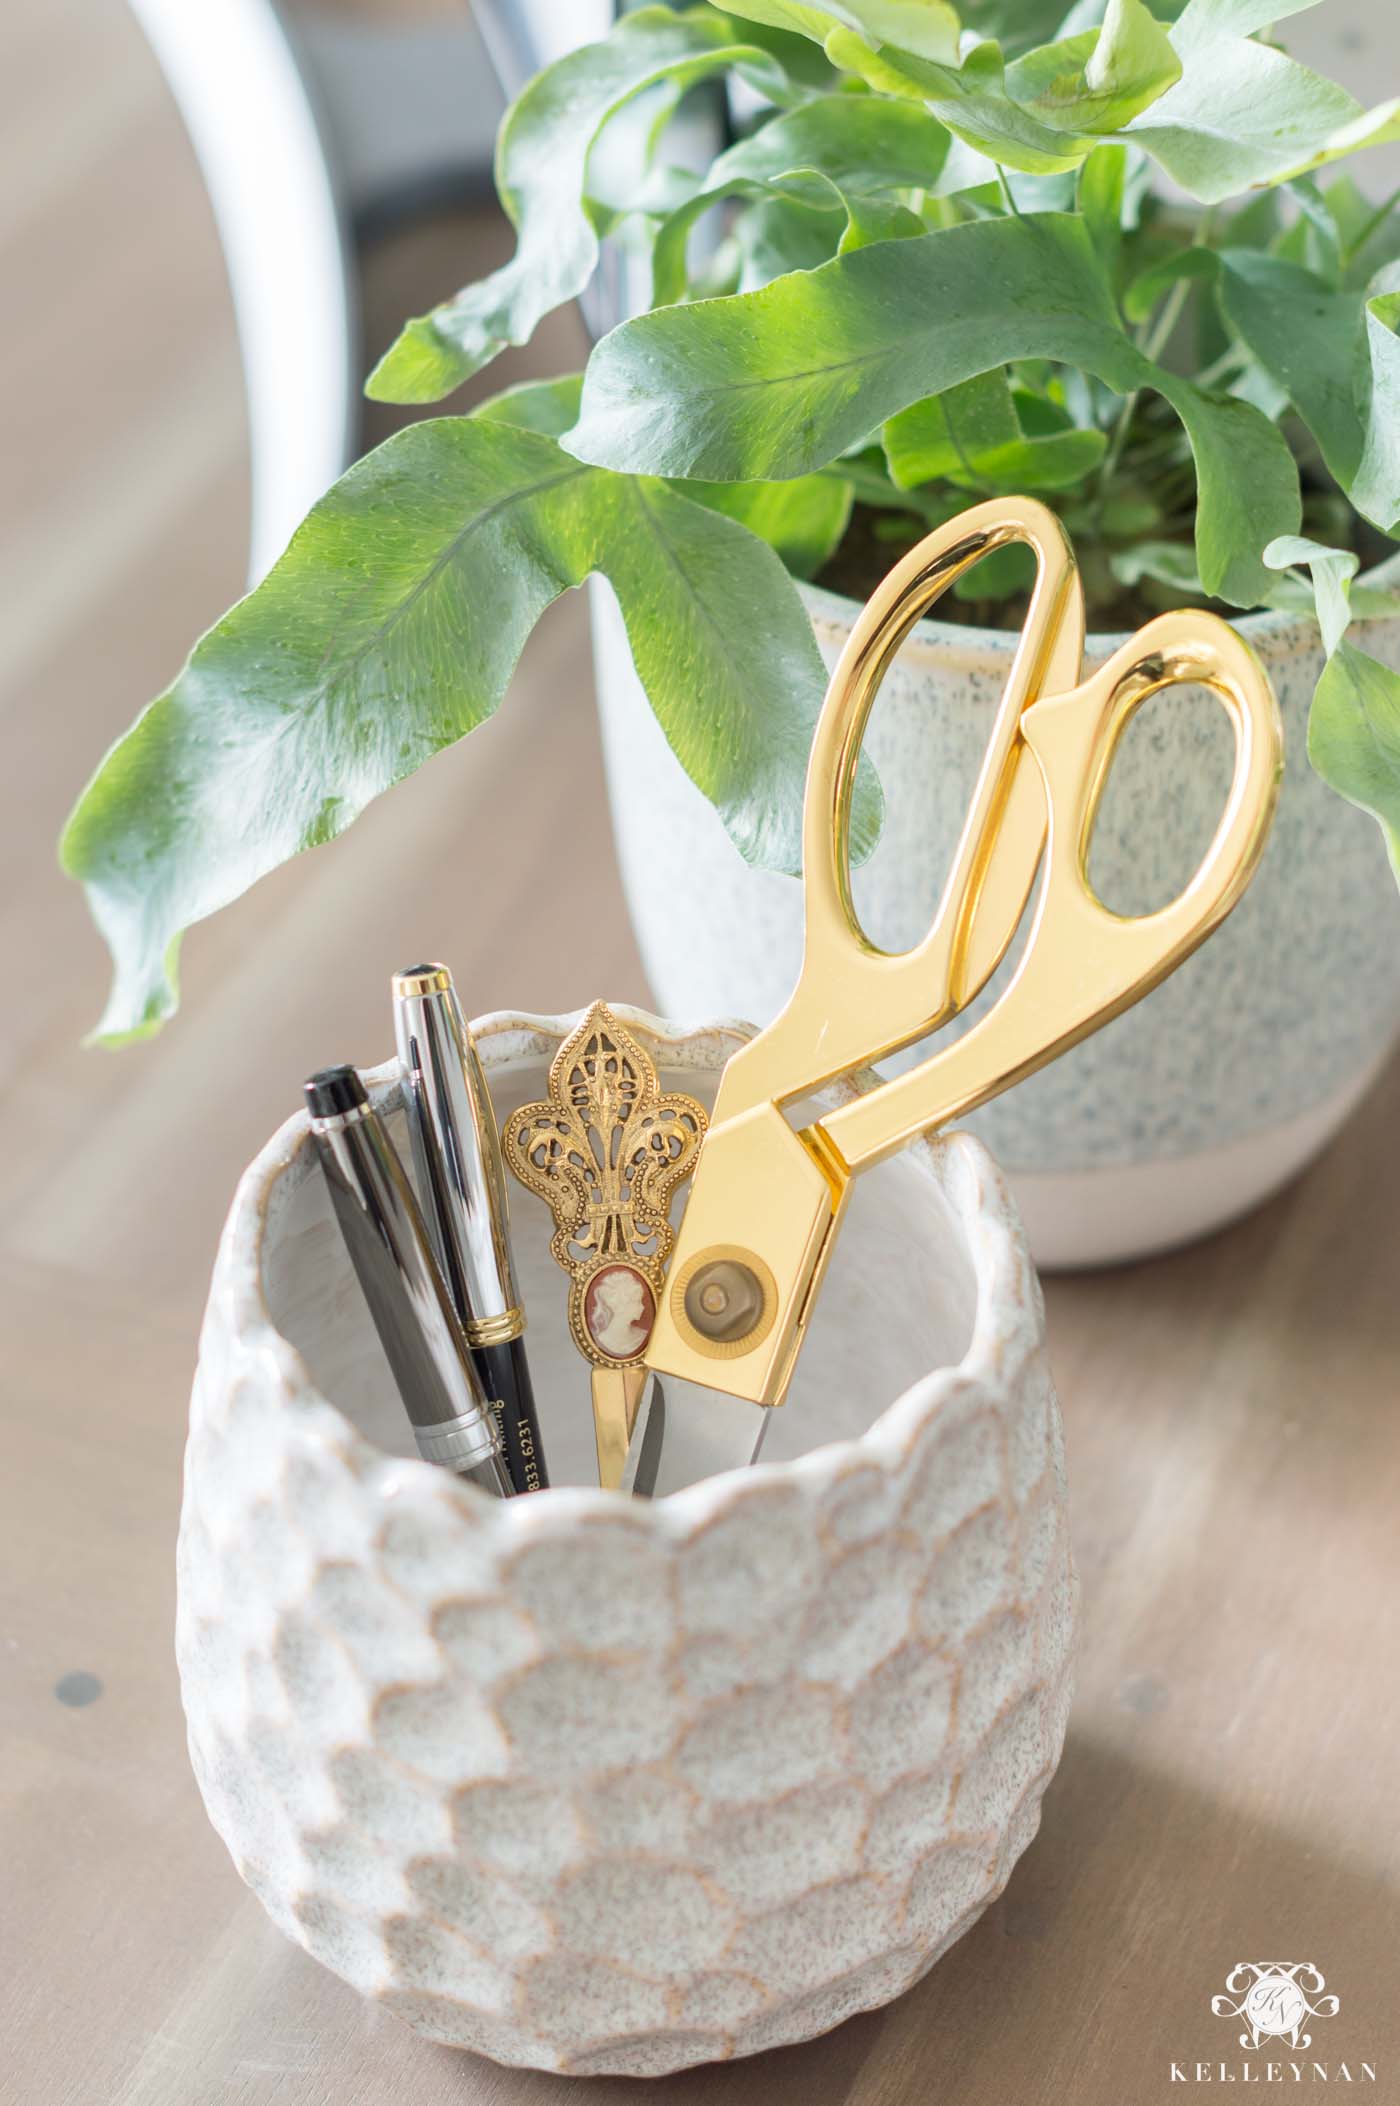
389 1249
457 1154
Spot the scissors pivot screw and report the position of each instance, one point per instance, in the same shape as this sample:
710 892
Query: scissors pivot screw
725 1299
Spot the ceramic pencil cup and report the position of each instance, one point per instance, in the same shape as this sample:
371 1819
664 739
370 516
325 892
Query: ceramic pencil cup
600 1784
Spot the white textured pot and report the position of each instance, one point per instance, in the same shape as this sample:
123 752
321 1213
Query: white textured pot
595 1784
1186 1111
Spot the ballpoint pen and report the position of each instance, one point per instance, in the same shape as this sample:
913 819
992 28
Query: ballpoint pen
461 1178
388 1247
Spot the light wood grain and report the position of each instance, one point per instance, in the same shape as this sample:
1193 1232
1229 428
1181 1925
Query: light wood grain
1228 1788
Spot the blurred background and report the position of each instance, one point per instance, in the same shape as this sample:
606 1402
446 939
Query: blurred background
213 221
210 231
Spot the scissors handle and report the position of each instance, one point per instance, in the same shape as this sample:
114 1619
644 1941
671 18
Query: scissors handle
768 1194
855 1003
1083 963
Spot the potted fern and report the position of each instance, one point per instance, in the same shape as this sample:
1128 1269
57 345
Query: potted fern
1109 259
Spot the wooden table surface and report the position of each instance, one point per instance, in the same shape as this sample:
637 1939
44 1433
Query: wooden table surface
1229 1787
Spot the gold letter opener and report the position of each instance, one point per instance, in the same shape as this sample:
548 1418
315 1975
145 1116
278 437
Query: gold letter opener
605 1153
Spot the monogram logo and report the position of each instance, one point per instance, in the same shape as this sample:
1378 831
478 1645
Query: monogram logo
1273 1997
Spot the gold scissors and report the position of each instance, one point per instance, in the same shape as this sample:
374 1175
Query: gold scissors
767 1198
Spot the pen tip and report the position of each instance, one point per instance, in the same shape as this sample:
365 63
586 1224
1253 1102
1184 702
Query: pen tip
331 1091
423 980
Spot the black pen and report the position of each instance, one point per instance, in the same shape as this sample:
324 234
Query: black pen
457 1154
413 1314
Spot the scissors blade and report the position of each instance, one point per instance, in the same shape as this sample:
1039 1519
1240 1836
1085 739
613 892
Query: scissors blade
640 1469
687 1433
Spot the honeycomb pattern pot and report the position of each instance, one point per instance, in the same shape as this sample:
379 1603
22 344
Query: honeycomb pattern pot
594 1784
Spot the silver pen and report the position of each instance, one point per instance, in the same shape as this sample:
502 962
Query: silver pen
389 1249
462 1180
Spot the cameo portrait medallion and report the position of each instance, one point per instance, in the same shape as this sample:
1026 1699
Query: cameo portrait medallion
619 1309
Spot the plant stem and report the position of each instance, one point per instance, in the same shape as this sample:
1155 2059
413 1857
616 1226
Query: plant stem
1117 440
1167 316
875 490
1369 226
1232 355
1152 339
1150 343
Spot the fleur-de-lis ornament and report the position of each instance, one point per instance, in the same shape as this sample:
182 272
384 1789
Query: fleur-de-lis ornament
605 1152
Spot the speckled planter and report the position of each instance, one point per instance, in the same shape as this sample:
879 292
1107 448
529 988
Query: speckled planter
595 1784
1185 1111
